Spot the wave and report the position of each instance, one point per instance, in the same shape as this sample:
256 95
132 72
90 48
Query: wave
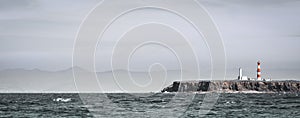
62 100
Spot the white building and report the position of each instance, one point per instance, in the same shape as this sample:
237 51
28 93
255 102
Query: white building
266 79
241 77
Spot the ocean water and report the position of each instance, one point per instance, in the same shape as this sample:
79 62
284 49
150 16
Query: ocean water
147 105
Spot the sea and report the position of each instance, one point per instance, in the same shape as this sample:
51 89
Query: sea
129 105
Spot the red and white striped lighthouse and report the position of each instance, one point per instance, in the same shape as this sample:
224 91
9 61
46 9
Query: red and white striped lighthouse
258 71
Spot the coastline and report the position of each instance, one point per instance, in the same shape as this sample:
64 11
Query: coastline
235 86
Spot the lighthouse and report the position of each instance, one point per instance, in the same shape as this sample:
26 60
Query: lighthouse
258 71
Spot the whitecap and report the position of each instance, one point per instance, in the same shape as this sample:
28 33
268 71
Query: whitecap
62 99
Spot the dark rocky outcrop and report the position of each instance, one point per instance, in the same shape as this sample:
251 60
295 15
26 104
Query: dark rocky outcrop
234 86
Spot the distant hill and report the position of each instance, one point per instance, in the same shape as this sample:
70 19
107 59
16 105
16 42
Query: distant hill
20 80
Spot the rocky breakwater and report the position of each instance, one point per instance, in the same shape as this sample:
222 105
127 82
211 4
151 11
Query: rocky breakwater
234 86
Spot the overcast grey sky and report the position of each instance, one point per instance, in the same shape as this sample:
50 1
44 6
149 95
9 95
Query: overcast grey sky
40 33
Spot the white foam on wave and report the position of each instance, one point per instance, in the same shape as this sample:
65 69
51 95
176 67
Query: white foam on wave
62 99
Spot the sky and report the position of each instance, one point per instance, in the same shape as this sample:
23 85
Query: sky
40 34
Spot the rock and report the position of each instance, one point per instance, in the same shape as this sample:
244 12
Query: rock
234 86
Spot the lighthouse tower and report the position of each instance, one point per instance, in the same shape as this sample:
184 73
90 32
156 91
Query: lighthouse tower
258 71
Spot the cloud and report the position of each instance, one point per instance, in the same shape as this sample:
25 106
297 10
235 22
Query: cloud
50 26
294 35
7 5
252 3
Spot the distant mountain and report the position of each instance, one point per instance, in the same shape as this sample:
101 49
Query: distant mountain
20 80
